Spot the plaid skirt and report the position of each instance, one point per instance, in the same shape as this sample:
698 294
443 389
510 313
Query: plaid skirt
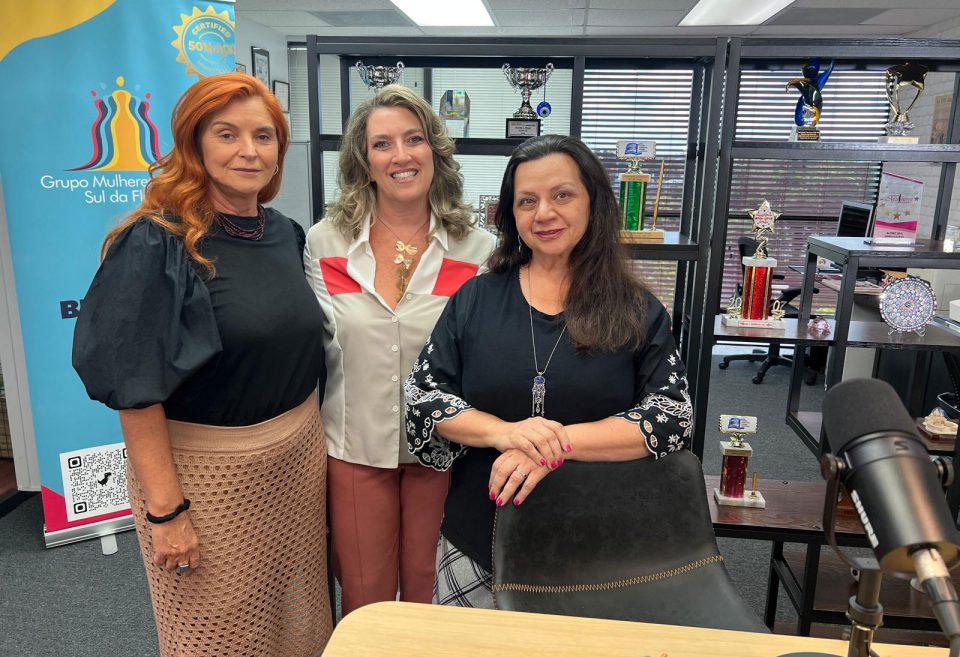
461 581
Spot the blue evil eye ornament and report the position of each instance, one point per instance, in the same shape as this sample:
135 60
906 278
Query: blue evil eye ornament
544 109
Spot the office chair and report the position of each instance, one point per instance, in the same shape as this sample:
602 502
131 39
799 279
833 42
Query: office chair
624 541
747 246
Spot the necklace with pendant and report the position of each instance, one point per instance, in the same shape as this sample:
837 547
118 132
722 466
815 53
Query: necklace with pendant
540 380
404 258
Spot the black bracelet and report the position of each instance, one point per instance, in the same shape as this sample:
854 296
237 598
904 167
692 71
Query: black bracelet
159 520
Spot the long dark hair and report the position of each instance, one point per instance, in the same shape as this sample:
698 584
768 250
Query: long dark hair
604 309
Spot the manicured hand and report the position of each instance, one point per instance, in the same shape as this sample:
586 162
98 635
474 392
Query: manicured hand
513 476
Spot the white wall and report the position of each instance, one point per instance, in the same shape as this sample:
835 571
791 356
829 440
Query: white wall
937 84
250 34
294 198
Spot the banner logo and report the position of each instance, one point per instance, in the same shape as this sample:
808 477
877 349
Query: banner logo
205 42
124 137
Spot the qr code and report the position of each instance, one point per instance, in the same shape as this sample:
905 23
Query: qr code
94 481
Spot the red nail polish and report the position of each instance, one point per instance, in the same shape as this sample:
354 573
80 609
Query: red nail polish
553 464
569 448
516 502
499 502
543 461
493 495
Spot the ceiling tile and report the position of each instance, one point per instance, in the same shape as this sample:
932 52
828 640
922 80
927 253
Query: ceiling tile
270 18
508 18
914 16
831 30
527 30
536 4
621 18
878 4
810 16
644 5
313 5
641 30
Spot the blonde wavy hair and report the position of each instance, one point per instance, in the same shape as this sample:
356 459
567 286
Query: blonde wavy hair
358 193
176 198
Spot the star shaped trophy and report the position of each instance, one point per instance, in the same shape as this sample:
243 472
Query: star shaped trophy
755 309
633 192
736 454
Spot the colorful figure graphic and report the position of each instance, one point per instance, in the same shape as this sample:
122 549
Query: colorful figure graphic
124 137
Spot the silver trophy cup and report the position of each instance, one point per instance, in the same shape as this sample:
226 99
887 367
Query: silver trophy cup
526 80
377 77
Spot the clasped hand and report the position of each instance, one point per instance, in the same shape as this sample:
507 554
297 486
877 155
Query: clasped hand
543 441
532 448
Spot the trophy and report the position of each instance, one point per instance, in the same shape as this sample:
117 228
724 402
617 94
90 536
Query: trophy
377 77
525 122
898 77
807 113
754 309
736 454
633 192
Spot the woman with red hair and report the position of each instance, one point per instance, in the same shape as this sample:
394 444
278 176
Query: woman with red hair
201 330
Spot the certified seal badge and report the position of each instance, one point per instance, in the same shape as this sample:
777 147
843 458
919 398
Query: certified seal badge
206 42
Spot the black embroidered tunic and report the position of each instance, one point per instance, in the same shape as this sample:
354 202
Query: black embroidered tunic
480 356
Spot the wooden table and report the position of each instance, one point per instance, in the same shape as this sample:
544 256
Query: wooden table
402 629
794 514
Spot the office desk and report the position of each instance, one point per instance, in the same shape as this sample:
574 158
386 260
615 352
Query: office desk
401 629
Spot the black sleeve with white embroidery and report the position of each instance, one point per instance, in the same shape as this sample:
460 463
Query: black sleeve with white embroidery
662 410
433 394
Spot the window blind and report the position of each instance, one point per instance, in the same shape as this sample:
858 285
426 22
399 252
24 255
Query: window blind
807 192
646 105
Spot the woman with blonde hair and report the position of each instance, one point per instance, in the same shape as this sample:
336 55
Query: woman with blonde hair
200 329
393 248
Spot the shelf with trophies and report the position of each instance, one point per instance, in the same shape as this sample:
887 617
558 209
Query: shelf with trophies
776 154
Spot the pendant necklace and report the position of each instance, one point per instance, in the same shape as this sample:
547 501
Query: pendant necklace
539 381
405 254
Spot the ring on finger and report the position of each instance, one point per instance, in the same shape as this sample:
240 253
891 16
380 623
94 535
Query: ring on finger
523 475
182 568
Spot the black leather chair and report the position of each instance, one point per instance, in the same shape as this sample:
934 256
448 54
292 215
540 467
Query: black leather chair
770 357
624 541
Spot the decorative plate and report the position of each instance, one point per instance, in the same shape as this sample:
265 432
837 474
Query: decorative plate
907 304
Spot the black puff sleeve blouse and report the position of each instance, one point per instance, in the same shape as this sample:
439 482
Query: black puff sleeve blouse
234 350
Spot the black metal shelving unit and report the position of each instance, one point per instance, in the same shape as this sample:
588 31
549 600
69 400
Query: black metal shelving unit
941 56
688 246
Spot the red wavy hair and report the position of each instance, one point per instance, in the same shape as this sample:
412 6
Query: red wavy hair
175 198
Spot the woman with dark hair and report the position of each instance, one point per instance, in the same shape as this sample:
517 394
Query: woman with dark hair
200 329
394 246
558 353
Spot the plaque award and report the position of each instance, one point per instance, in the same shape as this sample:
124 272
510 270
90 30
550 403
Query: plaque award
377 77
455 112
898 77
525 122
633 192
756 309
487 213
807 113
736 455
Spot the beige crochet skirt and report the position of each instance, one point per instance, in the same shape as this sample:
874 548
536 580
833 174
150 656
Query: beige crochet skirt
259 510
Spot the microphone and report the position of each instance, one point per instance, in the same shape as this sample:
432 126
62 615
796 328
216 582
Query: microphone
895 488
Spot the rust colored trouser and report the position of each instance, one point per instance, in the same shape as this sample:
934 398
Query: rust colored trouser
384 524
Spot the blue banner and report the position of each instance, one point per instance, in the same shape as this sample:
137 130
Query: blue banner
89 87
